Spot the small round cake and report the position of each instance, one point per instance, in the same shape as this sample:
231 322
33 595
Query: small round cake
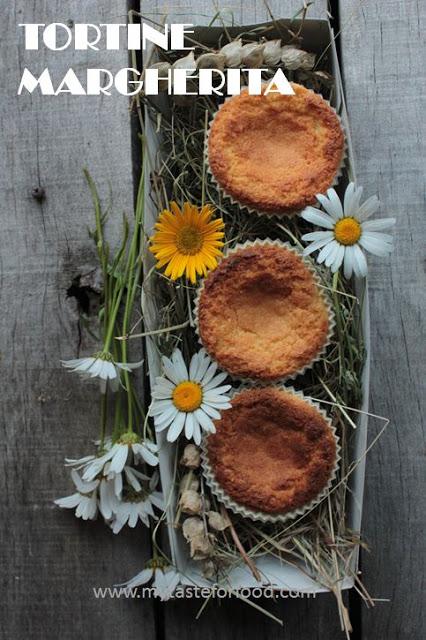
273 152
272 452
261 314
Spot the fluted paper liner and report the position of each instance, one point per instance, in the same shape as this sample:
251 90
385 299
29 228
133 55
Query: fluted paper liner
250 209
331 320
261 516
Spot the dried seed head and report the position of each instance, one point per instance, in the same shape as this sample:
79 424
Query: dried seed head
327 79
191 457
189 481
192 527
201 547
252 55
187 62
272 53
294 58
211 61
208 569
190 502
217 522
232 53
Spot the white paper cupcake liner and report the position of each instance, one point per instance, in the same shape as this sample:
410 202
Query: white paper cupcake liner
331 319
261 516
252 210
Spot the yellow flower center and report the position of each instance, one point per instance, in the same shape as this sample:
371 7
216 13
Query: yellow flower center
189 240
187 396
347 231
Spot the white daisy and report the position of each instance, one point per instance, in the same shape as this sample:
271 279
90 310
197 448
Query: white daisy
101 365
166 578
137 505
129 449
84 501
348 231
188 400
111 484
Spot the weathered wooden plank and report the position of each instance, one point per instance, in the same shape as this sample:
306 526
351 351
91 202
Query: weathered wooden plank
242 11
50 561
383 52
305 619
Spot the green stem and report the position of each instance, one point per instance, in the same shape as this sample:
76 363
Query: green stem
112 319
132 279
101 247
103 418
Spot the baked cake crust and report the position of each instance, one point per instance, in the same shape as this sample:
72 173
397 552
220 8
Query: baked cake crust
261 314
275 152
272 451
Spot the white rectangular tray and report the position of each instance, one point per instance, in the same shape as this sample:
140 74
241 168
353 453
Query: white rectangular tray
318 34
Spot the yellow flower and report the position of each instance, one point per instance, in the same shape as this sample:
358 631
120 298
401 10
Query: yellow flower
187 240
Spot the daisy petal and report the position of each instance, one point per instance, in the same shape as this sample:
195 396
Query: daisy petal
197 432
218 390
141 578
203 365
193 366
176 427
348 198
317 235
209 374
378 225
213 413
119 459
367 208
179 364
381 237
205 422
360 263
170 370
160 406
81 485
326 251
69 502
189 426
348 262
215 382
332 204
163 423
318 244
333 254
374 246
149 457
315 216
338 258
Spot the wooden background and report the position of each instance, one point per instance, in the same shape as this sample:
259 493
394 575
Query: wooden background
49 560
